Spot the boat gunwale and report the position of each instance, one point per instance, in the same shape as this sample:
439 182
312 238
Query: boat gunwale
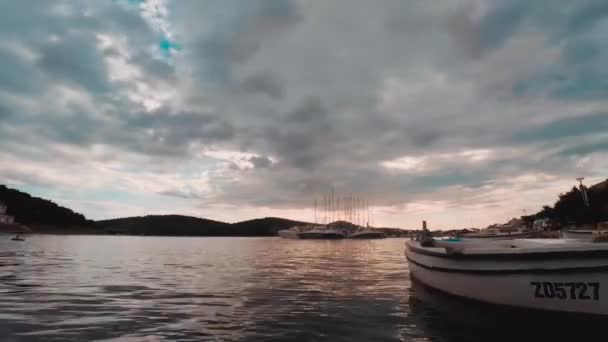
511 254
494 272
494 236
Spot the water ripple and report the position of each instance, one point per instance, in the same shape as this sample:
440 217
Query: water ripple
140 288
116 288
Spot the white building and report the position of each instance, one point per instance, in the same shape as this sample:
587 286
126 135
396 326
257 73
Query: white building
4 218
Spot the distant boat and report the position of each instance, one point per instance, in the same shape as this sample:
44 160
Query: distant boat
311 232
18 238
367 233
9 226
322 233
291 233
352 208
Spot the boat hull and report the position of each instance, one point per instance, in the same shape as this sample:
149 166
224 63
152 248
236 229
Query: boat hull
367 235
576 284
583 234
321 235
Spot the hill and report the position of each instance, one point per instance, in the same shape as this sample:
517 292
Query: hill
43 215
268 226
177 225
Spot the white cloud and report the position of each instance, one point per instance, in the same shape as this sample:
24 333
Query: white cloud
156 12
427 163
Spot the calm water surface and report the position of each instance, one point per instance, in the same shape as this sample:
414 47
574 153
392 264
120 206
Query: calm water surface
226 289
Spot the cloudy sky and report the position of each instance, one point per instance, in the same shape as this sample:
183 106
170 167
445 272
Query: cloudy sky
458 112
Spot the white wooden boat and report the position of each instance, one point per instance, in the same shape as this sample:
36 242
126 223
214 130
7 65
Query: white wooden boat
558 275
291 233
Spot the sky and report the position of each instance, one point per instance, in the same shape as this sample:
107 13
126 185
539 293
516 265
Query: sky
459 112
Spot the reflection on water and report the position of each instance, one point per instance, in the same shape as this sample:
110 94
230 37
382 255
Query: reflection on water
118 287
446 318
223 289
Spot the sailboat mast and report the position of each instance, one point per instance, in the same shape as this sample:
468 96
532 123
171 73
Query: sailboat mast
351 208
365 213
324 208
342 211
357 210
363 207
329 207
360 212
367 205
344 208
315 212
348 209
363 221
350 217
338 209
333 206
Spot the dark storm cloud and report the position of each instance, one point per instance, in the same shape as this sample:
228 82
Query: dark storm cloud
585 149
181 128
75 59
314 95
565 128
579 30
60 43
17 75
300 137
423 138
331 126
260 162
263 83
157 68
63 41
310 112
237 32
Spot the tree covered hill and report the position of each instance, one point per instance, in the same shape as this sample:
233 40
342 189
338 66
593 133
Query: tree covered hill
178 225
268 226
34 211
570 208
174 225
